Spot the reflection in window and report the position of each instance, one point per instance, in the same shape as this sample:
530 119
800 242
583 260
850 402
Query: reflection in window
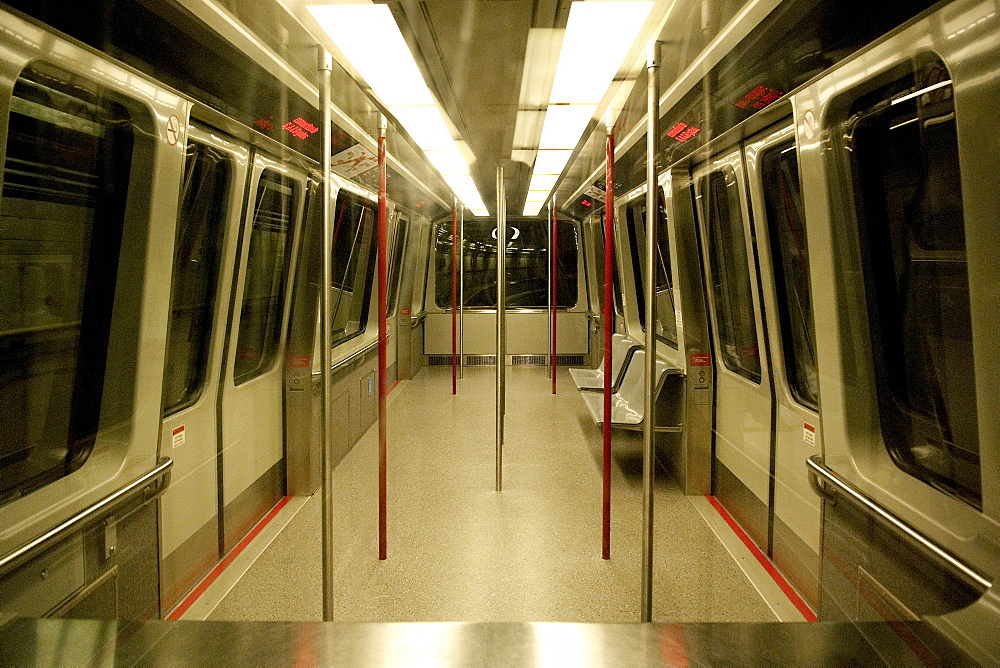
200 230
527 264
903 149
733 300
354 250
666 321
266 276
63 211
790 257
396 264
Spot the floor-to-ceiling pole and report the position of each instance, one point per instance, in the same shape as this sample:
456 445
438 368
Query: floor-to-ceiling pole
555 292
609 328
326 338
501 231
649 398
383 330
454 296
461 291
549 304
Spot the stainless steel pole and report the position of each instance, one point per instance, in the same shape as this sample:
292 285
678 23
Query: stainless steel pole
548 303
326 336
649 403
501 320
461 291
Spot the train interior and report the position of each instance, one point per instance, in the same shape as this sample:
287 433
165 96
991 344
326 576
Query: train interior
720 386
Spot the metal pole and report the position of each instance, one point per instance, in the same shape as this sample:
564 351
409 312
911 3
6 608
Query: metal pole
382 340
326 336
608 316
501 320
555 284
549 303
461 292
454 296
649 403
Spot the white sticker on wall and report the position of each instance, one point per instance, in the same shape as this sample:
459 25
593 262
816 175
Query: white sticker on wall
178 435
808 433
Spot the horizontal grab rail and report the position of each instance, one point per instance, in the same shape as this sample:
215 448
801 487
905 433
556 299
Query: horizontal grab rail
11 558
839 486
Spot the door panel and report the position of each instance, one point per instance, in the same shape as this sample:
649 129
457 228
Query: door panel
252 447
209 222
772 168
743 395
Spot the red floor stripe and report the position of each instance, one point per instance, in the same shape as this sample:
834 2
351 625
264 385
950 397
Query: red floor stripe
392 388
228 559
778 578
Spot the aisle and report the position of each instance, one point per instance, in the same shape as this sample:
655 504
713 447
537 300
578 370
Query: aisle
459 551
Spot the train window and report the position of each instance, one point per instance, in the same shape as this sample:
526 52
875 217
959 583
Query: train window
790 257
527 264
200 230
902 145
666 322
266 276
354 250
396 265
733 301
69 156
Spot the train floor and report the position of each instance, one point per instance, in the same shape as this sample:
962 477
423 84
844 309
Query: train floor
460 551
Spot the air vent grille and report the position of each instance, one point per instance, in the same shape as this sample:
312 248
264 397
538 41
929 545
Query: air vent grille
529 360
480 360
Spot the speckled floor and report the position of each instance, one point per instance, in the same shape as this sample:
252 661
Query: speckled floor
459 551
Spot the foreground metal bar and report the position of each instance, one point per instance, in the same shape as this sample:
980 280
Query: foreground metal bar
30 642
501 231
454 296
649 397
608 317
326 338
555 292
383 332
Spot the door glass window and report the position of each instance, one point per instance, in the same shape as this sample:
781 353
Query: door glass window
902 146
666 322
616 289
527 264
396 265
266 276
66 181
200 230
790 259
354 250
719 199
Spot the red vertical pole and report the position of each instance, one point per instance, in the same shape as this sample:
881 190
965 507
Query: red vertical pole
454 299
382 338
555 280
609 267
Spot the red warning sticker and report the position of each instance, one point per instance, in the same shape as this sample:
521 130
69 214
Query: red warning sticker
700 359
808 433
178 435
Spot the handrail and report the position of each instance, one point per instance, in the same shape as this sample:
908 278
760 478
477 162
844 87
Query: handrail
350 358
942 556
11 558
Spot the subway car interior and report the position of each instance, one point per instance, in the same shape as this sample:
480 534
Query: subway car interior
499 332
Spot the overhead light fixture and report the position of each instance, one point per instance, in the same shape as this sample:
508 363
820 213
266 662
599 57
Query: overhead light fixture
583 75
389 69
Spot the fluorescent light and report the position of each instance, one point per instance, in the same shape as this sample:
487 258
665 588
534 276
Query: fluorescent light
564 123
584 71
389 69
542 182
425 125
551 161
449 163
